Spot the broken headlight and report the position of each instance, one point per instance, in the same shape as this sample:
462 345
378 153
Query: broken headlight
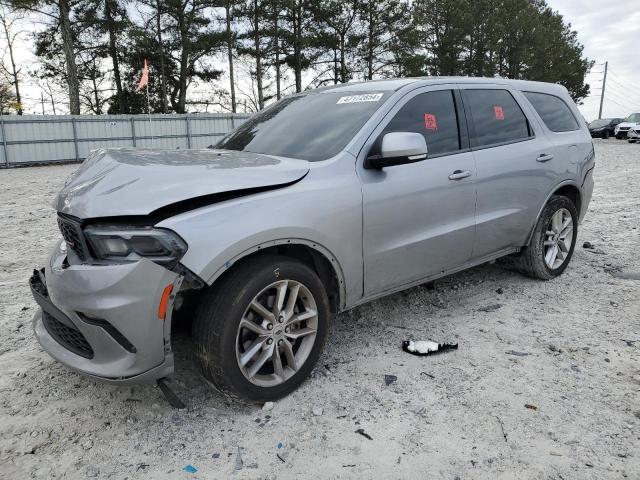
129 244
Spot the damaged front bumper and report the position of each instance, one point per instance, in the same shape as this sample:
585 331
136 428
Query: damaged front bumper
103 320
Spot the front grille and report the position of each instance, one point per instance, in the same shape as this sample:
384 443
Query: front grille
72 234
70 338
624 129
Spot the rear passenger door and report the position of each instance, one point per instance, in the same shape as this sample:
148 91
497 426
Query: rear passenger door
513 176
419 218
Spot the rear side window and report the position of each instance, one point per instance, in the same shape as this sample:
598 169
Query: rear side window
496 117
555 114
433 115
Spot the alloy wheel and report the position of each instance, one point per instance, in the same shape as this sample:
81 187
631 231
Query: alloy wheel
276 333
558 239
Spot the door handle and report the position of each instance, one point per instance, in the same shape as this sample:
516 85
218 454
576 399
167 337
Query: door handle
459 175
544 158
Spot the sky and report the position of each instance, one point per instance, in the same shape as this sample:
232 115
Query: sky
608 29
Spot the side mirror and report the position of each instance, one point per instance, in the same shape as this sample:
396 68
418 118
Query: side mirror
399 148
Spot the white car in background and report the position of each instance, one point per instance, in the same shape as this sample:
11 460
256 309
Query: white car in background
622 129
633 134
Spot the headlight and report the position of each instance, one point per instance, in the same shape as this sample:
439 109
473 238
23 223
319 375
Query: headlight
128 244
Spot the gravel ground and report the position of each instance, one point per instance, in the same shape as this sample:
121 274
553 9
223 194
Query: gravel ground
546 386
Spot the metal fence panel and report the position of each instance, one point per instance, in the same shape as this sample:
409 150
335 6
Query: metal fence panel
37 139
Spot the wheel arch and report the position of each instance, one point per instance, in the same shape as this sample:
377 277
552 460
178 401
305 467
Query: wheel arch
567 188
311 253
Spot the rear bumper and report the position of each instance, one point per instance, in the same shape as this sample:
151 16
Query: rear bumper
102 320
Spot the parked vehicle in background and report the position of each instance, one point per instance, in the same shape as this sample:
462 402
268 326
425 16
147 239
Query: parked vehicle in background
633 134
324 201
604 127
623 127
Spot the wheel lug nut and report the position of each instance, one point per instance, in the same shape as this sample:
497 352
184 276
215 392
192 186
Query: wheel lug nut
269 326
279 342
270 341
287 329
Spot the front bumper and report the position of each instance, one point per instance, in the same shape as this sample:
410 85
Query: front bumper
622 133
102 320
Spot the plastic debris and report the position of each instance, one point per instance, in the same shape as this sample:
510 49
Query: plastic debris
280 445
361 431
427 347
239 462
517 354
389 379
190 469
490 308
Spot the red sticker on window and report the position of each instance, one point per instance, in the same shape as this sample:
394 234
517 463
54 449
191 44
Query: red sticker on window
497 111
430 122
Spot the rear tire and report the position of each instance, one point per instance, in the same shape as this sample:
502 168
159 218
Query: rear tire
251 342
557 228
605 135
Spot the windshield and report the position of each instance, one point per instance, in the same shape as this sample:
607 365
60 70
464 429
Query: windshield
633 118
310 127
599 123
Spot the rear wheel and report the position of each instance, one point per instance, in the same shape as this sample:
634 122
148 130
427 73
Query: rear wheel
552 243
605 134
260 331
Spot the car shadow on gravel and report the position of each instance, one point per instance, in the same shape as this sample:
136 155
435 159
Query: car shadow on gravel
468 290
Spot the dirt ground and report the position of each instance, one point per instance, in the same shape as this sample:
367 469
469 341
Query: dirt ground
547 386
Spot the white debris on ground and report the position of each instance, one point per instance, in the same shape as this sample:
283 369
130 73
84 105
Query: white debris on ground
544 387
425 347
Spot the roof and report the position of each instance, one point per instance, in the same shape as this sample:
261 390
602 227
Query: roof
398 83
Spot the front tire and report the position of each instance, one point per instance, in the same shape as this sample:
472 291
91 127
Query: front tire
552 243
259 332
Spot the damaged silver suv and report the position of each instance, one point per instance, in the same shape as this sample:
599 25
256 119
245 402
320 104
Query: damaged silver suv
324 201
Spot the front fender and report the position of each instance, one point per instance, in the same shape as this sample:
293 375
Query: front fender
322 213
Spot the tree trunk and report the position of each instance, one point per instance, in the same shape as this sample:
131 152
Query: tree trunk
69 53
370 45
113 53
232 82
96 96
256 37
163 77
297 45
343 65
276 39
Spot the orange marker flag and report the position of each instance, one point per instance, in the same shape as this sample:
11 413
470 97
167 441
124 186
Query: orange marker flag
144 80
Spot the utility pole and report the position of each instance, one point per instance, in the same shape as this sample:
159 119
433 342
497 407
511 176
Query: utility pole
42 101
604 83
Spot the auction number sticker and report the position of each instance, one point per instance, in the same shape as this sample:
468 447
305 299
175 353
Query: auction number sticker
367 97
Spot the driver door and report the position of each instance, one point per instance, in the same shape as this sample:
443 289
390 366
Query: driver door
419 218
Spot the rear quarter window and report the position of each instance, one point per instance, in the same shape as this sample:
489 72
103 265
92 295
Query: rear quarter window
496 118
555 113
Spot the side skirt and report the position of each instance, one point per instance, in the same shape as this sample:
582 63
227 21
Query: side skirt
470 264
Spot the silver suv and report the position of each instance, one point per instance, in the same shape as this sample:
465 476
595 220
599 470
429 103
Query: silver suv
324 201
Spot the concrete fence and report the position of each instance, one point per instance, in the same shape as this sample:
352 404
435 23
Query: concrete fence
40 139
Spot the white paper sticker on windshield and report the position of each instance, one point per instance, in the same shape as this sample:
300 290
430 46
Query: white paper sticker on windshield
367 97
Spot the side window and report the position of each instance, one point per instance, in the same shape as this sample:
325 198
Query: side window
555 114
496 117
432 114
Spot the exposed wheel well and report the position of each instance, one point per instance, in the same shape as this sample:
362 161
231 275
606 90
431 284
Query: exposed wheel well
572 193
314 259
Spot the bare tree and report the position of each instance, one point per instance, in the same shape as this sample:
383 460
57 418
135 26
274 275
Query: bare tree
59 14
12 71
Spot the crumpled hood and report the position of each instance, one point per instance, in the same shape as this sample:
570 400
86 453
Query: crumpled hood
128 181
